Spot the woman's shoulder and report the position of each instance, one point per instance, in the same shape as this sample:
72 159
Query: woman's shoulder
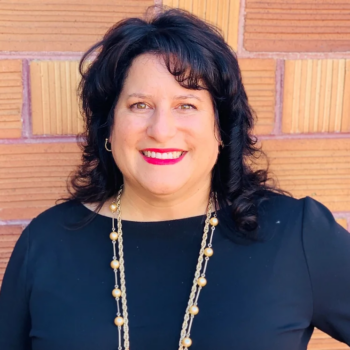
305 216
282 203
49 230
274 207
60 211
57 218
280 215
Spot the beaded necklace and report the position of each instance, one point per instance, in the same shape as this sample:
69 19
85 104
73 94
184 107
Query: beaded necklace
199 281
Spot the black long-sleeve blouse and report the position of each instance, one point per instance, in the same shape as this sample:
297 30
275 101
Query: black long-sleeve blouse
265 295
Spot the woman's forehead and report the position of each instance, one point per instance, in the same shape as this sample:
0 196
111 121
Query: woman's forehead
150 67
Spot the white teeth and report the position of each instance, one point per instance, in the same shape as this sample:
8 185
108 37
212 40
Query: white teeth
166 155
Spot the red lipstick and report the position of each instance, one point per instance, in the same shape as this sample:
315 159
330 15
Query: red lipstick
157 161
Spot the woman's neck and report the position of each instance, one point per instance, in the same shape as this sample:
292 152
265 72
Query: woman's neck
138 205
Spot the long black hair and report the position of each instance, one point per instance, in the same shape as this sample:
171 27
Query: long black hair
197 55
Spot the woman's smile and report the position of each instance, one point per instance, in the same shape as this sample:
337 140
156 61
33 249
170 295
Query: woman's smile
165 156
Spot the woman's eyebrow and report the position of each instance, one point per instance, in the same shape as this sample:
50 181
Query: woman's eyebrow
184 97
179 97
135 94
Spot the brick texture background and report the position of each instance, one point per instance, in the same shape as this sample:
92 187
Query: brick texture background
295 61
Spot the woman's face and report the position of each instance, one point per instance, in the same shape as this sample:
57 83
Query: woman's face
163 137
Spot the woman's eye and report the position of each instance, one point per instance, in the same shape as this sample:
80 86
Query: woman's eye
187 106
139 105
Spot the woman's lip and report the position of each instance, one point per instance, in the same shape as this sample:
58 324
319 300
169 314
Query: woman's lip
163 150
157 161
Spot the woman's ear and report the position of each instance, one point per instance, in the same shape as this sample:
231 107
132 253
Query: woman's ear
217 132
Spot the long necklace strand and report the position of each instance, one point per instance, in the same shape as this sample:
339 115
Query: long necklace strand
199 281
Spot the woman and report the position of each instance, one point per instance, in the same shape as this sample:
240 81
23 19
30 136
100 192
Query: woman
170 239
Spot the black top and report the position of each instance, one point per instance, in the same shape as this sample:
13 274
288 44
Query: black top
267 295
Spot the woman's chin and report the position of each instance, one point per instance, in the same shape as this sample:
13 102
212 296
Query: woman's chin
163 188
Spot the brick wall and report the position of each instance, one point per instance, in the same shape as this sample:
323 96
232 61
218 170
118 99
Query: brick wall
295 59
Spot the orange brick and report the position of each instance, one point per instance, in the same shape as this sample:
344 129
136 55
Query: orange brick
319 168
296 25
322 341
316 96
33 176
55 109
224 14
10 98
259 77
65 25
8 238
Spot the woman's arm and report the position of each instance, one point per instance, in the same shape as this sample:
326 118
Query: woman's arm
327 251
14 310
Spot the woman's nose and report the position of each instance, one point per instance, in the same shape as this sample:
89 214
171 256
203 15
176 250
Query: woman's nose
161 125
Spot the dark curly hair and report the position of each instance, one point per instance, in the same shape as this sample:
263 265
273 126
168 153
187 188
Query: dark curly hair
202 57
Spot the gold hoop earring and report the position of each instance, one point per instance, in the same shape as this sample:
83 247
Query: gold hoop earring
221 144
106 147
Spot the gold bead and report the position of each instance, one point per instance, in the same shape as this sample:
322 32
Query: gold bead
113 236
194 310
119 321
115 264
213 221
116 293
208 252
113 207
201 281
187 342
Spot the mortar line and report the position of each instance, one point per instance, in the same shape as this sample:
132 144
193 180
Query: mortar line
15 222
241 23
279 82
26 105
305 136
341 214
72 138
42 55
295 55
75 56
51 55
41 139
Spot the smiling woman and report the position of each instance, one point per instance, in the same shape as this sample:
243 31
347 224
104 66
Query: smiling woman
168 84
170 238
